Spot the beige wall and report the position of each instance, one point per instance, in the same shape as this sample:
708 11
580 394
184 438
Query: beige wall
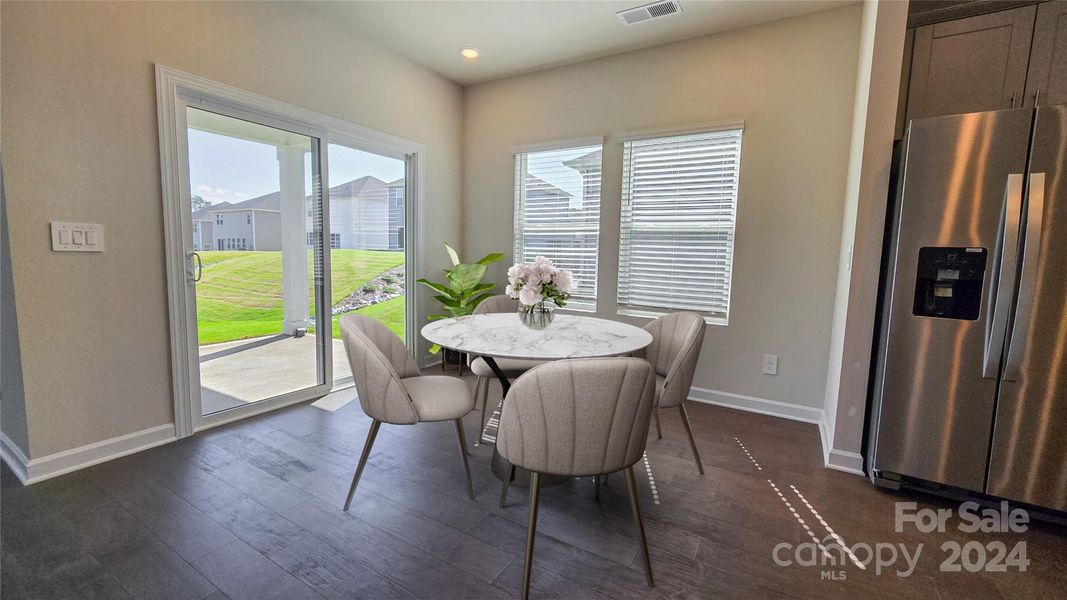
793 83
880 58
80 144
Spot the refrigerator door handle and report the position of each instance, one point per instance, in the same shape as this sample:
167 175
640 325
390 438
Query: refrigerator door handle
1004 276
1031 254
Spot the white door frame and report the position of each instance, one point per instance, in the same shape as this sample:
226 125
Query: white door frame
176 90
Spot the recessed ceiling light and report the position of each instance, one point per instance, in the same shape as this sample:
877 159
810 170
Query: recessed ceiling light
469 53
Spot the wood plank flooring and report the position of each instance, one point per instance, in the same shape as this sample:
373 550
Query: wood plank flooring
252 510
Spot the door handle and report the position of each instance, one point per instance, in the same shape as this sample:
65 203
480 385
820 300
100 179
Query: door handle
1003 280
1024 305
196 267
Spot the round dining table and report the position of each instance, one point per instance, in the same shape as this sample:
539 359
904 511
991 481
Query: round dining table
503 335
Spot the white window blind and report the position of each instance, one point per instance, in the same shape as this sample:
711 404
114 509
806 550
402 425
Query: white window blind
557 213
679 201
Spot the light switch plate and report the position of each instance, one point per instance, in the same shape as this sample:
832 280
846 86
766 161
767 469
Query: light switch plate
77 237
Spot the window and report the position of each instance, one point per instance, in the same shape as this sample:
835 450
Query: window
557 213
400 237
196 227
248 218
679 200
219 244
335 240
218 218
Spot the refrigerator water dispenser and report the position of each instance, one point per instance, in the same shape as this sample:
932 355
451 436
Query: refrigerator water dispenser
948 283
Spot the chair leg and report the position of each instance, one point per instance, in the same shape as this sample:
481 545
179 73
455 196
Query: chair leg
485 408
655 415
639 523
507 482
373 433
463 453
692 442
531 529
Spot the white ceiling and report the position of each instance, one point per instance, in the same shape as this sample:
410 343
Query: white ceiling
518 37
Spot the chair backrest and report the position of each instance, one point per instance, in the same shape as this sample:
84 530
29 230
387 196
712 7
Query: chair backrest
578 417
499 303
379 360
676 342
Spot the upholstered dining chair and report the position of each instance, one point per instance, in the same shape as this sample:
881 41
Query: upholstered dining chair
576 418
392 390
511 367
673 353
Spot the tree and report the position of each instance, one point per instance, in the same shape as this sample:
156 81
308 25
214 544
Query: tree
199 202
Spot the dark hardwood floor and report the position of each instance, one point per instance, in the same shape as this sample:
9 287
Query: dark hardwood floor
253 510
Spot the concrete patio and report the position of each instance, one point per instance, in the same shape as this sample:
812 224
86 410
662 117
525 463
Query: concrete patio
236 373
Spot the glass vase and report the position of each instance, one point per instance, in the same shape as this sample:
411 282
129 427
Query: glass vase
538 316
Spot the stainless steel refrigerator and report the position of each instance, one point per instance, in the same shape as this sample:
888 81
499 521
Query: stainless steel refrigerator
970 387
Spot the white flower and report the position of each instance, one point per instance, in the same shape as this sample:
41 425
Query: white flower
564 281
517 273
512 292
530 295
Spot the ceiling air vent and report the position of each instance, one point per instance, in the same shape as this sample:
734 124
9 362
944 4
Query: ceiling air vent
649 12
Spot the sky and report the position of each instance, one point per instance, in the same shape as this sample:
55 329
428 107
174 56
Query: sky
223 168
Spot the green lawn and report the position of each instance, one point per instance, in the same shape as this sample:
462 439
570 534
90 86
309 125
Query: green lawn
240 293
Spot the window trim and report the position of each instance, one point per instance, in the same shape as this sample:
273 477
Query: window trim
710 128
574 143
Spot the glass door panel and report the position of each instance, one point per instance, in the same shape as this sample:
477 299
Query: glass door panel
368 259
257 257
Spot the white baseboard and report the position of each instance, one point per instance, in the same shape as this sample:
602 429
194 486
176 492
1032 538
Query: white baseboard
839 460
848 462
38 469
784 410
14 457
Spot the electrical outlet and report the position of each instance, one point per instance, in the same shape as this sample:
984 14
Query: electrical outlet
770 364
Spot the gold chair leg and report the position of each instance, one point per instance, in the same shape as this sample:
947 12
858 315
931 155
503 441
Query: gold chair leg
507 482
371 434
531 530
485 407
639 523
692 442
463 453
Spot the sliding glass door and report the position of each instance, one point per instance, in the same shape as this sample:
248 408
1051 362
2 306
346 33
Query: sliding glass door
367 240
256 261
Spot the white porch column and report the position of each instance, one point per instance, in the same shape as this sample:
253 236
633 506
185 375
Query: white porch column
297 311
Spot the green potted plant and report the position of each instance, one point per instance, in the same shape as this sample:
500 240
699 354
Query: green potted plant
461 292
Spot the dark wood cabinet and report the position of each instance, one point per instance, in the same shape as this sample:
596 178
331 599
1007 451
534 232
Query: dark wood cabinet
1046 79
998 56
970 65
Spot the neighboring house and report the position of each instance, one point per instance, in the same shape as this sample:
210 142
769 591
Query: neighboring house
365 214
250 225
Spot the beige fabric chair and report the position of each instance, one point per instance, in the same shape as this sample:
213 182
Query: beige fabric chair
576 418
511 367
391 389
673 353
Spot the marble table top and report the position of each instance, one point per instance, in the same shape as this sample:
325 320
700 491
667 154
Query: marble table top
504 335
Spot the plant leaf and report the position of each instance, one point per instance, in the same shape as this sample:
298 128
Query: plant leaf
437 287
448 302
434 349
452 254
491 258
478 300
435 317
482 287
464 277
